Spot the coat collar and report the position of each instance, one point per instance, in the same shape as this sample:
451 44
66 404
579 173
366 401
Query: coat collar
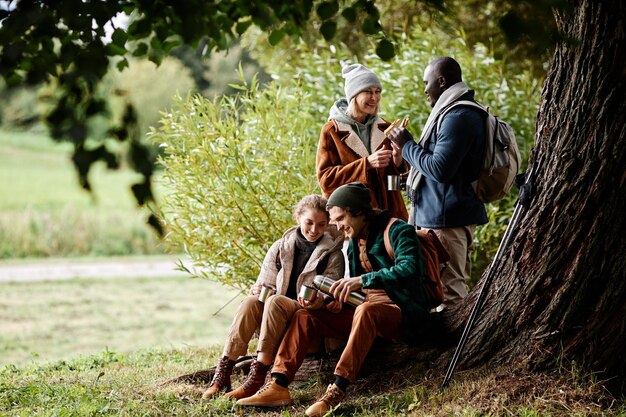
350 138
332 238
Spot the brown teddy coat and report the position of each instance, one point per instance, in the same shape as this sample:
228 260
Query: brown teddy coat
342 158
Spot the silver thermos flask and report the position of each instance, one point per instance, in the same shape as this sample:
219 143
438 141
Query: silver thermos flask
323 284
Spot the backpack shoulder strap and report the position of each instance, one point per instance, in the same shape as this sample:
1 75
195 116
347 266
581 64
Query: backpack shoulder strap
430 238
456 104
386 238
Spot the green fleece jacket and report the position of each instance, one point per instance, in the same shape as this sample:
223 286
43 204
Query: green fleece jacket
400 278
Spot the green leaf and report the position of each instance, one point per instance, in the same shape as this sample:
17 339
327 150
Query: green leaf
349 13
141 49
327 9
276 36
13 79
241 27
221 43
155 43
119 37
122 64
142 192
371 9
385 49
328 29
112 49
156 224
119 133
170 44
140 28
370 26
141 161
156 57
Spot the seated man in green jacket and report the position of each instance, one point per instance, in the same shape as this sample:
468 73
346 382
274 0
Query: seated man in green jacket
395 306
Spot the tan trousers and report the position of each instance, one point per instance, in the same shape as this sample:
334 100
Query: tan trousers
270 318
360 326
459 243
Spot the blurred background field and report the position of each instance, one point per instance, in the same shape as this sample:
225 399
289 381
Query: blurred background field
44 212
45 217
47 321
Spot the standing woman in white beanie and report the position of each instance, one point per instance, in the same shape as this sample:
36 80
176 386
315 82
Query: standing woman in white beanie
353 146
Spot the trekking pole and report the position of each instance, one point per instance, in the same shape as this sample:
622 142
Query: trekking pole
526 193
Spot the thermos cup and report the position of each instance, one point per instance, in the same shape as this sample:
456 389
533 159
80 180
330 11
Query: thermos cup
307 293
394 182
266 291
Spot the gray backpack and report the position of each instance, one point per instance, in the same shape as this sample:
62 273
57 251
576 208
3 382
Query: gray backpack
501 160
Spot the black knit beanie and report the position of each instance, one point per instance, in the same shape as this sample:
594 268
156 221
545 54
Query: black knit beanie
354 196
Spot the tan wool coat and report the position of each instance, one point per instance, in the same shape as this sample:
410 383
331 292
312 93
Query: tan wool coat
342 158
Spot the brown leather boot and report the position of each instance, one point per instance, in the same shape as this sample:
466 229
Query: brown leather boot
254 381
333 396
221 378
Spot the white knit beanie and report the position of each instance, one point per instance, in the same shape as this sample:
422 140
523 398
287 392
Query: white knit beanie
358 78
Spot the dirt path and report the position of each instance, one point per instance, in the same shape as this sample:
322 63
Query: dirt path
60 269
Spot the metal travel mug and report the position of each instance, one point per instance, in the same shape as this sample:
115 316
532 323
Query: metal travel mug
323 284
307 293
394 182
266 291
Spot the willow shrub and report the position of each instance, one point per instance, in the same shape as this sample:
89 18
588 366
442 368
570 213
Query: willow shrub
236 165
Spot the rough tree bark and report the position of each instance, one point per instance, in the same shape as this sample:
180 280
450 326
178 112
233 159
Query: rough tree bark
560 290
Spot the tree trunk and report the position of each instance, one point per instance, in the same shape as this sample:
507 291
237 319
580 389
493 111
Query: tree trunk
559 293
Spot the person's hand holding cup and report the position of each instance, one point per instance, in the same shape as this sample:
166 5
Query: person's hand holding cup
309 298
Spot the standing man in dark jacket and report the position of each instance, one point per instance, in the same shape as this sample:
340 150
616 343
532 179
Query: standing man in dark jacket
395 306
444 163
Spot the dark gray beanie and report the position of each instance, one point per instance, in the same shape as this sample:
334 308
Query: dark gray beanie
354 196
358 78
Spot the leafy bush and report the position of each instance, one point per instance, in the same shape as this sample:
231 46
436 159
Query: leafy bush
237 165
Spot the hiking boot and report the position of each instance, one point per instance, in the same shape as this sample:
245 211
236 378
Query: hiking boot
333 396
254 381
221 378
270 395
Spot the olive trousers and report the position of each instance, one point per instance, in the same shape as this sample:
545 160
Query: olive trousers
459 243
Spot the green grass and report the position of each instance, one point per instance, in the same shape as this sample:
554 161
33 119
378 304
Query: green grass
53 320
44 211
114 384
106 347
